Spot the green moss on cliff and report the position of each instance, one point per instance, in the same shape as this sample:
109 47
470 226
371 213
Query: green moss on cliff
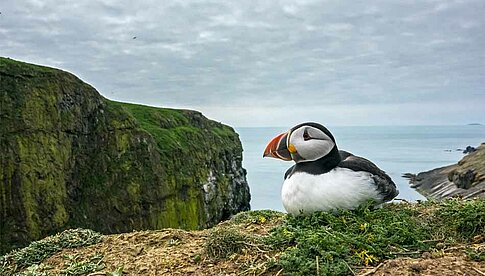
179 129
42 160
70 158
190 140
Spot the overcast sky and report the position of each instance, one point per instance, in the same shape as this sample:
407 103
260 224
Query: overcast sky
267 63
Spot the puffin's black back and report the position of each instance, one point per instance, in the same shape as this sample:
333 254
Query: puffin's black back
386 187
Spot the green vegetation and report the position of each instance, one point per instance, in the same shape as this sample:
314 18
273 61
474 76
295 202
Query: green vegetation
160 123
365 237
224 242
460 220
23 66
175 129
257 217
269 242
117 272
37 251
71 158
476 253
35 270
77 267
338 243
198 146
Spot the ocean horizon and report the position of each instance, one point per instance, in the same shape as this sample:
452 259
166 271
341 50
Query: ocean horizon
394 149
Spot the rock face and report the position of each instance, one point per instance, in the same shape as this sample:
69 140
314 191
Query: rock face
71 158
465 179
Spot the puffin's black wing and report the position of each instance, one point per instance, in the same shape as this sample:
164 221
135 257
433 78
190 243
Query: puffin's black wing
385 185
344 154
289 172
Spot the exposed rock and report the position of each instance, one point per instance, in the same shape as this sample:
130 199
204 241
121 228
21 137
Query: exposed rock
71 158
469 149
465 179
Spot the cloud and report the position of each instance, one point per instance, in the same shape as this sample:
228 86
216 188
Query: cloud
227 58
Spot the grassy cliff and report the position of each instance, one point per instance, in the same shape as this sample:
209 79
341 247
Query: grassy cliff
431 238
71 158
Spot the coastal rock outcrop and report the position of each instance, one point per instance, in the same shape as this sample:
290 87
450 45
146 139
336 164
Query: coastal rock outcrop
465 179
71 158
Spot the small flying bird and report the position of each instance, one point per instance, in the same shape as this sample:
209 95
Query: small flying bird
323 177
134 37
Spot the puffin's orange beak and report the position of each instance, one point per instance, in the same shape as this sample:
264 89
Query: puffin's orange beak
277 148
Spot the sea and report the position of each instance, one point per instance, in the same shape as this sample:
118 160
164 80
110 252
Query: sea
395 149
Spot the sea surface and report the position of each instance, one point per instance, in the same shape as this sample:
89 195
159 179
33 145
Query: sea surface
395 149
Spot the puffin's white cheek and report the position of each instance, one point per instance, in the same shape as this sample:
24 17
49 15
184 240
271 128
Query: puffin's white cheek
315 149
308 153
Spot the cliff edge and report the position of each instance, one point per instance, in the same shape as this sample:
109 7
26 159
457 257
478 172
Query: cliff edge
71 158
465 179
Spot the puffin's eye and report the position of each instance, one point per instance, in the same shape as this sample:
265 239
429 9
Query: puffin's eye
306 136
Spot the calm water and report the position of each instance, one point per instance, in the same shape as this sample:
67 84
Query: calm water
395 149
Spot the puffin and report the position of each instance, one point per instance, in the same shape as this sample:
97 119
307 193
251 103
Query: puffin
323 177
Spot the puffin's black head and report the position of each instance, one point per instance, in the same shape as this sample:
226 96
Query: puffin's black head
302 143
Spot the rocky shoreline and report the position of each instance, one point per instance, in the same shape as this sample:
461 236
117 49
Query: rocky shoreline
465 179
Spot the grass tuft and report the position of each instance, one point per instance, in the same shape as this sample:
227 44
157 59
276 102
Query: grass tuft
118 272
222 242
35 270
476 253
91 264
464 219
256 217
37 251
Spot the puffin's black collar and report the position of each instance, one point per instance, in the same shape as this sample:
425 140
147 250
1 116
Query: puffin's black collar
319 166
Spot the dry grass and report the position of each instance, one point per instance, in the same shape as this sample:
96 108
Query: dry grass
250 244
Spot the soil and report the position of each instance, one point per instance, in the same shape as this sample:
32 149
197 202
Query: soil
179 252
169 252
444 263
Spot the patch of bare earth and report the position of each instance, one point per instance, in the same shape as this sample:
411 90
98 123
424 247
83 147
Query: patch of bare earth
453 262
179 252
170 252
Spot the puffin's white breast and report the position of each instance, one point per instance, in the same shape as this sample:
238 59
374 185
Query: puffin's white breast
340 188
